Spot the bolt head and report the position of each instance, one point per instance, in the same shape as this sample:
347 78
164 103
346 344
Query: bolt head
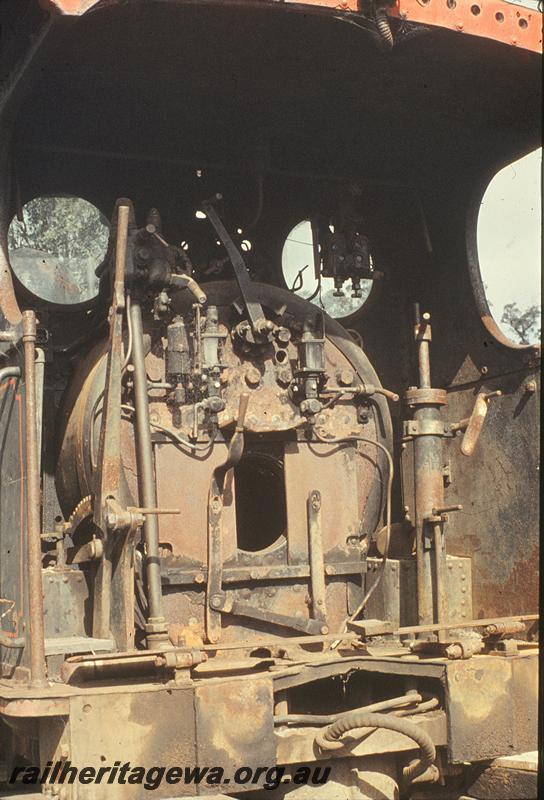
310 406
216 404
284 376
345 377
283 335
253 377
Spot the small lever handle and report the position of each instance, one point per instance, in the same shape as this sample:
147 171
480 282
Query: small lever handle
476 422
183 281
242 411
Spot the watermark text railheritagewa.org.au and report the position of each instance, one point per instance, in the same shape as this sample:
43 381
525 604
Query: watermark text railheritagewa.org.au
150 778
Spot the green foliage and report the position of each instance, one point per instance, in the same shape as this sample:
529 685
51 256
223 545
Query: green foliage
69 232
525 324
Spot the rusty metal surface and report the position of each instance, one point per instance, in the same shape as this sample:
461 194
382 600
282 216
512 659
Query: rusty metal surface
499 523
492 707
500 783
396 600
13 520
38 669
234 723
491 700
350 482
157 728
517 26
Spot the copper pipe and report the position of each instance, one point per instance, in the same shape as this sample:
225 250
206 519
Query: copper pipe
35 589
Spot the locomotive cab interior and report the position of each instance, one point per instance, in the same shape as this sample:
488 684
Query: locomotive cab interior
257 456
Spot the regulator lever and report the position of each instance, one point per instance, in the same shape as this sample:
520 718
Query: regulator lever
255 312
473 425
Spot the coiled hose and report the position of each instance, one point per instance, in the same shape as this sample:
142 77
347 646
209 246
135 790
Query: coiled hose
327 739
384 29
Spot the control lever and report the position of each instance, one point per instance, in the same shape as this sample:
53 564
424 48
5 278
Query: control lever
183 281
473 425
178 281
215 595
259 323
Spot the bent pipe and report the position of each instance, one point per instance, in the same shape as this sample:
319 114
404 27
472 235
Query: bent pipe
9 372
327 739
12 644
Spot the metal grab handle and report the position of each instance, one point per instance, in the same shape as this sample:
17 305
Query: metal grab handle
476 422
242 411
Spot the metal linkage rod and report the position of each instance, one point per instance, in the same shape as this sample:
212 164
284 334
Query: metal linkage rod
38 671
155 627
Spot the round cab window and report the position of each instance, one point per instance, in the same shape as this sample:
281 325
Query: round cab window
509 248
298 259
56 247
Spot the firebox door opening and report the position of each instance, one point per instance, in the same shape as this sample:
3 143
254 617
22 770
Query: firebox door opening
261 511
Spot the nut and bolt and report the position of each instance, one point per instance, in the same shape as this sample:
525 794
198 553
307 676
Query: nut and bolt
283 335
284 376
310 406
345 377
253 377
216 601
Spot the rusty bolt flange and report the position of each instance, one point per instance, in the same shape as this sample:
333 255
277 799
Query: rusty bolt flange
345 377
283 335
253 377
310 406
284 376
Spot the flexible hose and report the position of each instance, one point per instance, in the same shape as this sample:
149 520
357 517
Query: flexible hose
327 739
321 719
384 29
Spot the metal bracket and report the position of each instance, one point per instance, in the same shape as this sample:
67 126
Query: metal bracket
239 608
247 287
317 563
426 427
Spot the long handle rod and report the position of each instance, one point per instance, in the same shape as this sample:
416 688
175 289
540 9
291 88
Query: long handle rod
156 625
38 670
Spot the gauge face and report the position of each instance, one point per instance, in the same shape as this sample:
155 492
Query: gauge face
297 261
55 248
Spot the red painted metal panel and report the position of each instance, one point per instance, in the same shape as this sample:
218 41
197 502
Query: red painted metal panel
492 19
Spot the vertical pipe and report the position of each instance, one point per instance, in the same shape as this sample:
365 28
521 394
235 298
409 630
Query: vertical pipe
423 355
35 588
156 625
40 372
440 579
428 483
